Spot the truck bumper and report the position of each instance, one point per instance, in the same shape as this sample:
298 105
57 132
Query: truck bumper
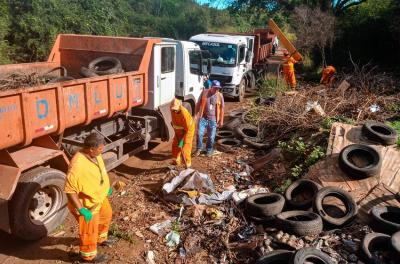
229 90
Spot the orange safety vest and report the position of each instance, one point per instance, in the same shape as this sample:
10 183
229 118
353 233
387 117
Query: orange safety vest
219 113
288 66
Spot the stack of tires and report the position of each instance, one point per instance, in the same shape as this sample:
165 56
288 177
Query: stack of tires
301 217
237 131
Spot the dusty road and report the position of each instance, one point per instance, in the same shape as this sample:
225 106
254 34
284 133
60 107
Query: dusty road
134 211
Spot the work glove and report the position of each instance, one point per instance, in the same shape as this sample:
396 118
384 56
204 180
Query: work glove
110 191
86 214
180 144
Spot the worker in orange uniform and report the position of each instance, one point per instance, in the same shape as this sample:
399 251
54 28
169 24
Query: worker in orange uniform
328 75
87 187
288 70
184 128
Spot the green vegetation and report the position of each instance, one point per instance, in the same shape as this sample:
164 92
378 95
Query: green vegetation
328 121
270 86
118 233
396 126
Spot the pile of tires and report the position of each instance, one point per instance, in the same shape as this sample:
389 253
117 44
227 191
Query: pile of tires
380 248
102 66
302 211
304 255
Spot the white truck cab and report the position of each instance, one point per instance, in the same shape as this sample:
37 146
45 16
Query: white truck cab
231 57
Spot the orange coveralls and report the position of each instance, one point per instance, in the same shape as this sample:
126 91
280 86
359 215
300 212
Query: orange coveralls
184 127
91 183
327 75
288 72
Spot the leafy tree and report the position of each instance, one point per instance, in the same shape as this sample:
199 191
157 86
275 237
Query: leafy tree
4 27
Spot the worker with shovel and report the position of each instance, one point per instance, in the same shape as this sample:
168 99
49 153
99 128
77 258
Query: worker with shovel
288 70
87 187
184 128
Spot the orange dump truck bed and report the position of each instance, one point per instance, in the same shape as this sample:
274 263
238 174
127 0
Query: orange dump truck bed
29 113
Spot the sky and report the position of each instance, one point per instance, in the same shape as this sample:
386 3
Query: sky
215 3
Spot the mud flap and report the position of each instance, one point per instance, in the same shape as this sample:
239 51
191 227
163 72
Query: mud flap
168 131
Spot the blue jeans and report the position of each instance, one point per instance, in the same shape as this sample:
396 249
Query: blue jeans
211 131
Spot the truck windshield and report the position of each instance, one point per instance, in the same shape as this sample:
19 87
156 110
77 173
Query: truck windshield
222 54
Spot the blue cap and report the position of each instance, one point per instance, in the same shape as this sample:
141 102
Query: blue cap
216 84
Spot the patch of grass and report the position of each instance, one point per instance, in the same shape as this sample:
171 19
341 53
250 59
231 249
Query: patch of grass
118 233
396 126
282 188
271 86
328 121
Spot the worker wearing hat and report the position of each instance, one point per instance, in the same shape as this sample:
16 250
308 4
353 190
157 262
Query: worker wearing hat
184 128
211 116
87 187
288 70
328 75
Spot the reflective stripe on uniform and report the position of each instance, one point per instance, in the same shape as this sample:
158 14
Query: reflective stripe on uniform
89 254
177 127
103 235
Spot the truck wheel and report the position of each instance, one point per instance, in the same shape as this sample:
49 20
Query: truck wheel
242 90
39 204
188 107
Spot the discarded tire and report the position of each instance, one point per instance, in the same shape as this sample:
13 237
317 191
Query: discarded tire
386 219
236 113
265 101
229 142
85 72
395 241
310 255
300 223
265 204
360 161
232 124
224 134
253 143
375 244
307 189
344 197
105 65
61 79
379 132
279 256
246 131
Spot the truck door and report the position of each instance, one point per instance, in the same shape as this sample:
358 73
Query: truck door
194 72
166 69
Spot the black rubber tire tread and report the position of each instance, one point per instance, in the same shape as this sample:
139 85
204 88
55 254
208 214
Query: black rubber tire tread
382 224
237 113
224 134
61 79
87 73
298 186
303 254
188 107
344 196
356 172
385 139
279 256
30 182
117 68
310 227
256 145
251 82
395 241
242 91
232 124
265 209
223 141
241 135
370 241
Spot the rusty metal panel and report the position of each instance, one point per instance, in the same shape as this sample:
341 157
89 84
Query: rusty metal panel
43 112
11 115
74 101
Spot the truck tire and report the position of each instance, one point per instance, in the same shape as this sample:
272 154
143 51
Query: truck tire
370 158
265 204
106 65
241 91
300 223
39 204
300 187
188 107
342 195
379 132
275 257
251 82
312 254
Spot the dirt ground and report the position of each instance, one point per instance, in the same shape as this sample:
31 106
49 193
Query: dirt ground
135 208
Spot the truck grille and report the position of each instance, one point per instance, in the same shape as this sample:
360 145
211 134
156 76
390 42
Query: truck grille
221 78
